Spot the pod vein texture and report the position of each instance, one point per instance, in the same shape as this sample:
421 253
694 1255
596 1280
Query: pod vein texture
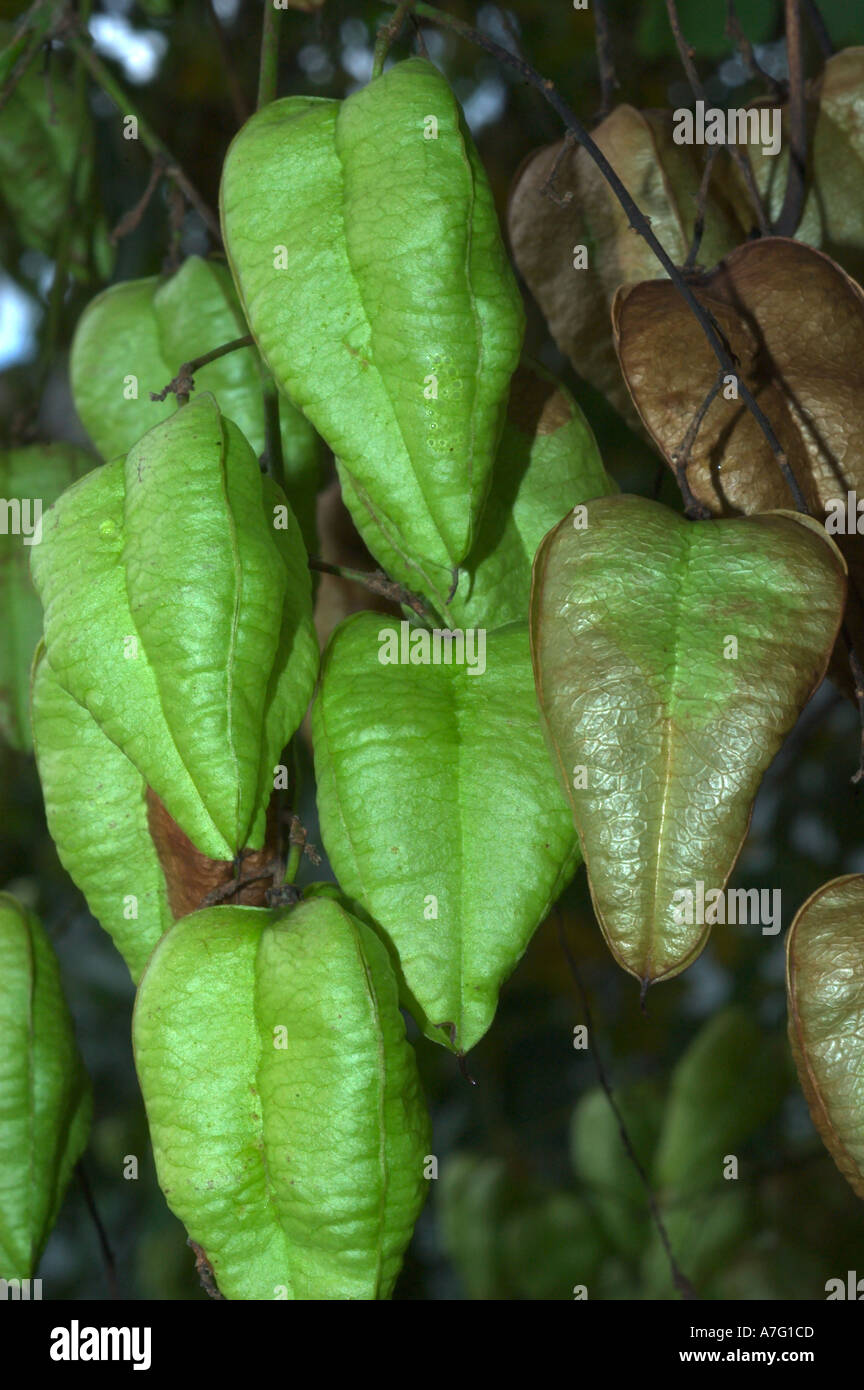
287 1121
362 313
635 689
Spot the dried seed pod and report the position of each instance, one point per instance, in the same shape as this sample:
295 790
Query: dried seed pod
660 729
795 322
825 993
573 242
832 218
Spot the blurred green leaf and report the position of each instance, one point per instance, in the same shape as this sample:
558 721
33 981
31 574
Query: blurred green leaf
510 1239
703 1233
549 1248
726 1086
472 1195
601 1161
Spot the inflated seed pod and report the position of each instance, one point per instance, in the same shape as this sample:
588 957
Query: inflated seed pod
97 813
285 1110
547 457
440 809
825 993
177 611
132 339
365 246
31 479
45 1098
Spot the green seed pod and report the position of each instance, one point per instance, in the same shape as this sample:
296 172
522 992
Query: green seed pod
547 457
284 1106
440 809
109 852
133 338
178 613
31 479
365 246
45 1098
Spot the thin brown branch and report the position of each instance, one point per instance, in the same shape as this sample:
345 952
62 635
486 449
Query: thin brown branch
101 1234
132 219
225 891
605 61
679 1279
745 48
796 178
745 169
104 78
681 456
701 205
377 582
235 91
183 383
686 55
685 52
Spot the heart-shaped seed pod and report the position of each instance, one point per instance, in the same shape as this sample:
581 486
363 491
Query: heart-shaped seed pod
666 687
178 613
365 246
439 807
287 1121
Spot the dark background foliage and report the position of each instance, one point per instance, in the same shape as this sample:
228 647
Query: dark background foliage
510 1215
